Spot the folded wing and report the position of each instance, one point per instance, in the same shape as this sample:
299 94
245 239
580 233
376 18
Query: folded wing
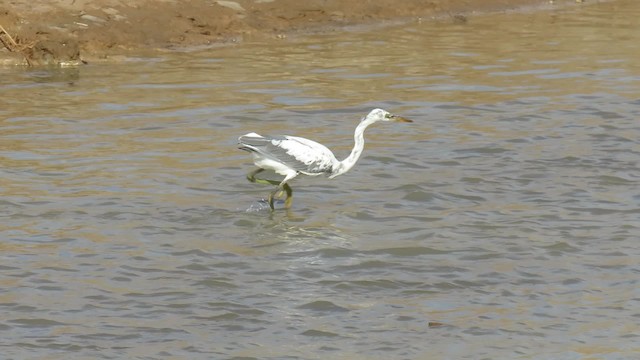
300 154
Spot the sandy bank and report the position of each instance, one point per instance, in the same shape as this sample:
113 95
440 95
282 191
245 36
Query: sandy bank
72 31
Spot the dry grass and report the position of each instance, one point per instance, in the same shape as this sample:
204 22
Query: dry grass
10 44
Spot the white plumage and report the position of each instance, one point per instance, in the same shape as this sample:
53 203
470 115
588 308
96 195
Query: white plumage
291 155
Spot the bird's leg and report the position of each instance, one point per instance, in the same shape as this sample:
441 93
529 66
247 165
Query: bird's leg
283 188
289 200
252 175
271 196
252 178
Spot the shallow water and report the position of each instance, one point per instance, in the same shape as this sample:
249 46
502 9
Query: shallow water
502 224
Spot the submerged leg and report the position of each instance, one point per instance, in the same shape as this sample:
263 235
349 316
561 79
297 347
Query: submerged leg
271 197
289 200
252 178
283 187
278 193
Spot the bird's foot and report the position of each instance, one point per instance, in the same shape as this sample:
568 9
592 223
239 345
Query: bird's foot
271 202
278 193
289 200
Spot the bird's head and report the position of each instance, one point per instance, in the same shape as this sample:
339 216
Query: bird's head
382 115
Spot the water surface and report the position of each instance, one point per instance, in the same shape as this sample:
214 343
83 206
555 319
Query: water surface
502 224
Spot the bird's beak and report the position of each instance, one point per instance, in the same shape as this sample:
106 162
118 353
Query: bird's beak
397 118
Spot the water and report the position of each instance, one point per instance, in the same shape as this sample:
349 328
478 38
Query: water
501 224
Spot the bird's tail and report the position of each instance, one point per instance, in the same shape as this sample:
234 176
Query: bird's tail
245 139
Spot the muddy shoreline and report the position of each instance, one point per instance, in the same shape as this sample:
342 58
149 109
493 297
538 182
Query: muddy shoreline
40 32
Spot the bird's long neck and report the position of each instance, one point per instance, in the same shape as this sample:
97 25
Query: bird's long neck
358 137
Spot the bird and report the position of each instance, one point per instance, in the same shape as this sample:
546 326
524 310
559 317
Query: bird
291 156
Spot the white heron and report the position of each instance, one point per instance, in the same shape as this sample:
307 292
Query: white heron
291 156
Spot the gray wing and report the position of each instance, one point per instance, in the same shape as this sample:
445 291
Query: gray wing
300 154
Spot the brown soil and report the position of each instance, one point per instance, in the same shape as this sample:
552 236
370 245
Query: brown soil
37 32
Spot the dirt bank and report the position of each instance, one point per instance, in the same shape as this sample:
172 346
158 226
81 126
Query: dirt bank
68 31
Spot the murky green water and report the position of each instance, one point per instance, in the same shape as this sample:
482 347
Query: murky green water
502 224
